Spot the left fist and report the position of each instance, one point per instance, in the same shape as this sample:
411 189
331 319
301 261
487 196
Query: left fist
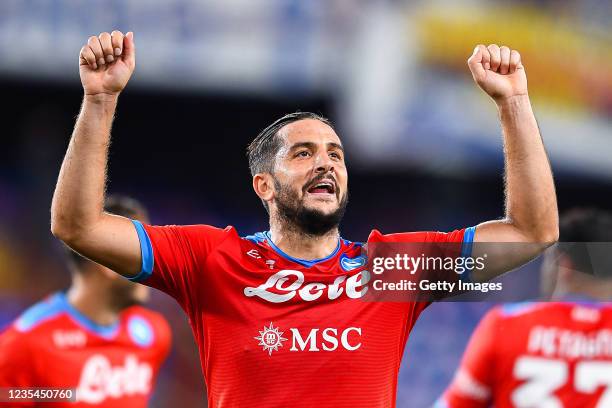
498 71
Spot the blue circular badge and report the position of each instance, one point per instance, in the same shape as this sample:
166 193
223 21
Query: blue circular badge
140 331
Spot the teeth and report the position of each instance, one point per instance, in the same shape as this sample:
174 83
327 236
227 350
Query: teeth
328 185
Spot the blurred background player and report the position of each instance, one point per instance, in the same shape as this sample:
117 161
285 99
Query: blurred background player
94 337
549 354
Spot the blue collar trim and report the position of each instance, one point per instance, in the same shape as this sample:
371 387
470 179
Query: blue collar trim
106 332
304 262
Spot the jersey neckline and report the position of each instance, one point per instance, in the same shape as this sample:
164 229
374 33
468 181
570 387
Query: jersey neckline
105 331
304 262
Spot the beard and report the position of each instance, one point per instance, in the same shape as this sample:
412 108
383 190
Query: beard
306 220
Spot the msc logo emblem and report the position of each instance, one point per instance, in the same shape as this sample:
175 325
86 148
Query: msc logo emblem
328 339
270 339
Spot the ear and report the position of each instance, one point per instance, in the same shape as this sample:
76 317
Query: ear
263 185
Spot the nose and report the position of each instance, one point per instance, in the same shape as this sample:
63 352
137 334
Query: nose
323 163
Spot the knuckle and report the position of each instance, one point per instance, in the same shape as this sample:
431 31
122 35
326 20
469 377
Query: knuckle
104 35
92 39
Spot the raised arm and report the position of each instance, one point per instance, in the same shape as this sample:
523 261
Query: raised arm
531 220
106 63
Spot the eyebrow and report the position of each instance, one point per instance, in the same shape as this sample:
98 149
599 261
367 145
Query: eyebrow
312 145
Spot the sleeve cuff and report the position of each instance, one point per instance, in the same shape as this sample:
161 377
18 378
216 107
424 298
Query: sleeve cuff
146 252
466 251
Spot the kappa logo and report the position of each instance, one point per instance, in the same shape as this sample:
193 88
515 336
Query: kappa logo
253 253
327 339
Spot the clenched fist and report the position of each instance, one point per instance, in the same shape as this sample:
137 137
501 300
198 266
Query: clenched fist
106 63
498 71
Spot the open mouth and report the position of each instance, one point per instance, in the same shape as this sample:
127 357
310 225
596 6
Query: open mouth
323 187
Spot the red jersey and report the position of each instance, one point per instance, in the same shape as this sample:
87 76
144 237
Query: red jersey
277 331
52 345
537 355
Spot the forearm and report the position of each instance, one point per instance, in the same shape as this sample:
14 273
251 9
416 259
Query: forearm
77 210
79 195
531 205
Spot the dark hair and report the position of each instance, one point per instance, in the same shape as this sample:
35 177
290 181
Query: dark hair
263 149
115 204
585 235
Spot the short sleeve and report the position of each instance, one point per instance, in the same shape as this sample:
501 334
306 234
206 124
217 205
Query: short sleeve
428 244
173 255
465 236
457 243
472 385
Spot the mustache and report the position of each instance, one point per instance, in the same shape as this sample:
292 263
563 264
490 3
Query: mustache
317 179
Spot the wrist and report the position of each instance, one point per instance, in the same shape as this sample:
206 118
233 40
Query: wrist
513 101
515 109
101 98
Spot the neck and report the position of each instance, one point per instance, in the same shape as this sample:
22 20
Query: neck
300 245
92 301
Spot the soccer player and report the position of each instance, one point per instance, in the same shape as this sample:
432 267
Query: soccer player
95 337
556 354
278 315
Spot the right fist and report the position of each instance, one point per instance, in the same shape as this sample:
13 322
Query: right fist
106 63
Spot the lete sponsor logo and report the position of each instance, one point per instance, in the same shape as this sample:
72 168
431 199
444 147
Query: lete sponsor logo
286 284
100 380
